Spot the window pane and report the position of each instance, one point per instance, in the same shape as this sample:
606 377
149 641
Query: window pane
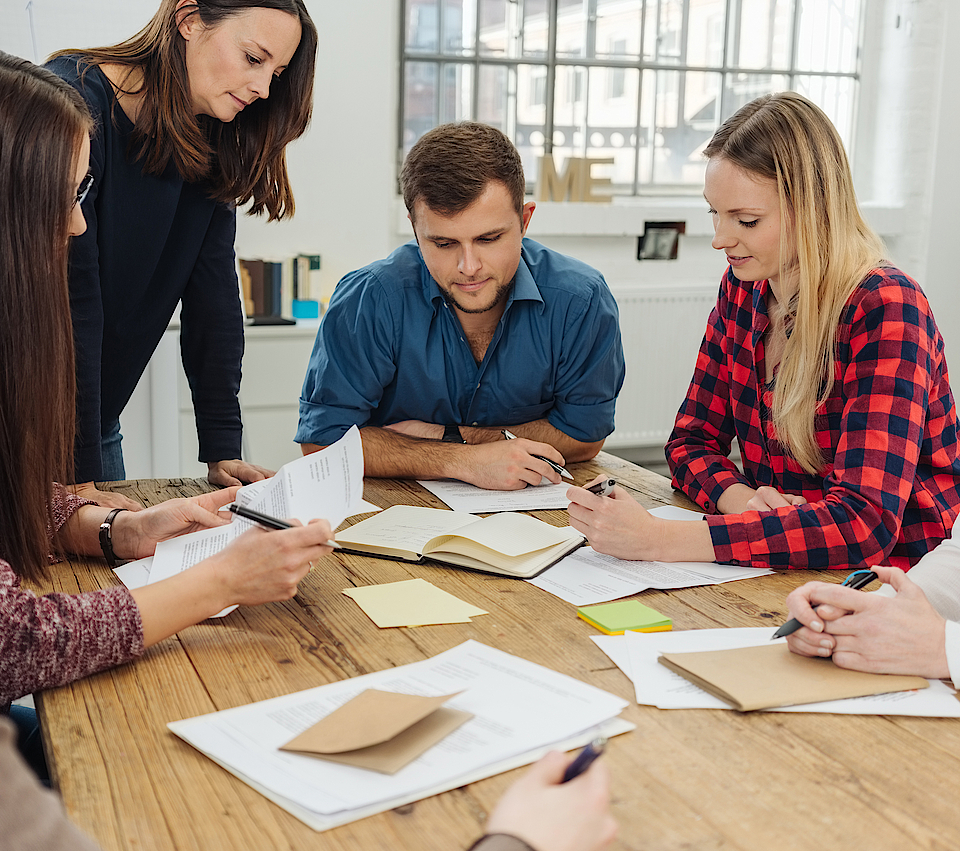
663 34
705 32
497 22
422 26
419 101
743 88
836 96
456 96
618 30
680 113
611 129
763 39
572 30
493 106
829 34
459 20
536 28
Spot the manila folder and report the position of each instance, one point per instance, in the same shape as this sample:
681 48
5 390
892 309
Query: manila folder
770 675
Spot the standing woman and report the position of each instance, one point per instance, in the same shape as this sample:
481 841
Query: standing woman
50 640
193 115
823 361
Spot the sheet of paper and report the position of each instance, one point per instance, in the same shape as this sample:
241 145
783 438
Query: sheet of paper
657 686
615 646
327 484
519 707
461 496
413 602
672 512
585 576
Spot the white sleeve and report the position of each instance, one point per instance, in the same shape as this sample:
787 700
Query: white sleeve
952 637
938 574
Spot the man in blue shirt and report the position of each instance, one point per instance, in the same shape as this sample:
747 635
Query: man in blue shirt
468 330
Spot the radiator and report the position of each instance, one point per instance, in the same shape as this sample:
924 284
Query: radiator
661 328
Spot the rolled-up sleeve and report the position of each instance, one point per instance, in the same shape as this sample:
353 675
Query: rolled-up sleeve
353 360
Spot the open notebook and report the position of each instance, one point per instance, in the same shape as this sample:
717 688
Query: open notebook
509 544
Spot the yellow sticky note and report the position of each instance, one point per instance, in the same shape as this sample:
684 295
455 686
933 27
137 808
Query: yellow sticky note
413 602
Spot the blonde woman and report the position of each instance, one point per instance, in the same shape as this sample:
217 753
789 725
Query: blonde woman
821 359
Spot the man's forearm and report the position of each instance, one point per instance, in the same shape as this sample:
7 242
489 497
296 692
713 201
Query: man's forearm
572 450
390 455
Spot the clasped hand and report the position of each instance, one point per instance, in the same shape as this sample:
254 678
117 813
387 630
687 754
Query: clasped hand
902 634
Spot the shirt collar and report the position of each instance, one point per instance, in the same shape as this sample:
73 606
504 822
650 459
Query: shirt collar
524 286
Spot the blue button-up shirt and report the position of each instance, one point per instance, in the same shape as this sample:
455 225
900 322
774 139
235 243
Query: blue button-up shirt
390 349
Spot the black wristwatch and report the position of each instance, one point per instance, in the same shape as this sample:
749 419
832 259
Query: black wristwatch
451 434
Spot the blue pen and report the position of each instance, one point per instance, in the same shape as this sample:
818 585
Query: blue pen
856 580
584 759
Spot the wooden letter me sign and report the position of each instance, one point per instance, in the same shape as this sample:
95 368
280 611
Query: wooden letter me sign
576 183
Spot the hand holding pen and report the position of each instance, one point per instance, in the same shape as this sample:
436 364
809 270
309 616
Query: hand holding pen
267 521
855 581
556 467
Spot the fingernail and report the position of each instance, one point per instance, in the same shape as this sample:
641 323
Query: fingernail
825 644
816 626
824 652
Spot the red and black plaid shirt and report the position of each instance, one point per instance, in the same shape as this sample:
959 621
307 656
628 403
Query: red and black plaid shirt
891 488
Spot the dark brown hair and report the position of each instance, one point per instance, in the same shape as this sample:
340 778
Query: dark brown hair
42 124
239 161
450 166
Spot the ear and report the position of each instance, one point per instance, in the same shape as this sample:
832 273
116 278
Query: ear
525 215
188 19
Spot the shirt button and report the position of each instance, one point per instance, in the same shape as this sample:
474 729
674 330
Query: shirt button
475 424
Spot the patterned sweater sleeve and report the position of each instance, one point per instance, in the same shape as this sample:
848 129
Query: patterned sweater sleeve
54 639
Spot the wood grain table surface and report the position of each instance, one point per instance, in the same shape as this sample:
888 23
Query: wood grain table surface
684 779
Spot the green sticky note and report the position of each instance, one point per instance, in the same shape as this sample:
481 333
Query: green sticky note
617 618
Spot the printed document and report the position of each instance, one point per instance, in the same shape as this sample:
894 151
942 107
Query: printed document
327 484
586 577
520 710
470 499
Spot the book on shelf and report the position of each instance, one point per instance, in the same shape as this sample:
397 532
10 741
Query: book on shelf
281 289
509 544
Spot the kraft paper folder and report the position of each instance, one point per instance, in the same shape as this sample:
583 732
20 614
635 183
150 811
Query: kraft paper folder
769 676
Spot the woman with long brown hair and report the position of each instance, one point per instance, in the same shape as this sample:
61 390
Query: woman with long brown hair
50 640
821 358
193 115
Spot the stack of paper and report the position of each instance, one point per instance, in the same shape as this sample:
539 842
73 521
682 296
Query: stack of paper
520 711
638 656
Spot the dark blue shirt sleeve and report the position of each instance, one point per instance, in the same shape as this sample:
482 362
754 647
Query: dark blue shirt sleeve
353 360
211 340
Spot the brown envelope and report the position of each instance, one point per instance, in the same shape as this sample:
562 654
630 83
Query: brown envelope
380 730
770 675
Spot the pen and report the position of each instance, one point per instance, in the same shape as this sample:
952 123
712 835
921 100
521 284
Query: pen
511 436
266 520
584 759
603 488
856 580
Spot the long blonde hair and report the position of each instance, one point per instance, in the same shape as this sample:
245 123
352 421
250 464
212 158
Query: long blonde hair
786 138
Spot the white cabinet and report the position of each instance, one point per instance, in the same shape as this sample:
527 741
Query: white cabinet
158 426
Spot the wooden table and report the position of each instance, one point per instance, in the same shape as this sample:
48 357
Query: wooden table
684 779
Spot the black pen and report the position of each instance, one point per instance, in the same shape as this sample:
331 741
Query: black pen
266 520
584 759
856 580
511 436
602 488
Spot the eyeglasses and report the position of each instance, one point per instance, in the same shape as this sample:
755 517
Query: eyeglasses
83 190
